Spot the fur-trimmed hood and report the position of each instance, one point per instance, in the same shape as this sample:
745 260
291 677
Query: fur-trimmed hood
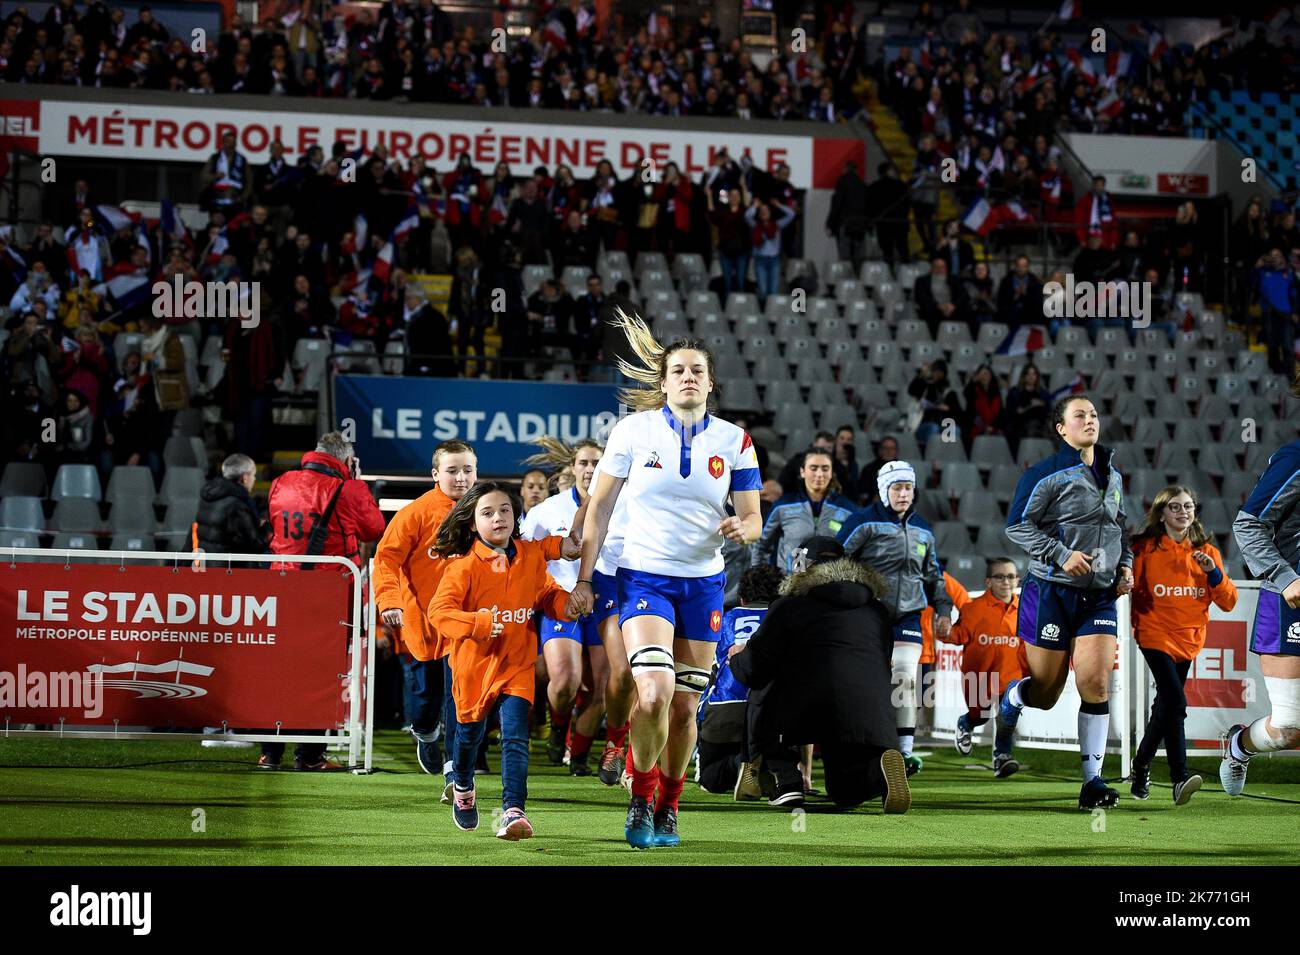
842 571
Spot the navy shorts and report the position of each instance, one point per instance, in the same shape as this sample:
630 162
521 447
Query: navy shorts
693 605
1277 626
1052 615
907 629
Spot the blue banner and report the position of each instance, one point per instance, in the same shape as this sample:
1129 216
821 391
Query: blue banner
396 423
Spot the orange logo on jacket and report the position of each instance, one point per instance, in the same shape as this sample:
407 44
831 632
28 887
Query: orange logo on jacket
715 468
715 621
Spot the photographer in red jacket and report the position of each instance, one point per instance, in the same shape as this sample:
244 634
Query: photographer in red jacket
322 508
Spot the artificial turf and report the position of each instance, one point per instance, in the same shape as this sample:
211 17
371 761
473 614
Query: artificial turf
84 802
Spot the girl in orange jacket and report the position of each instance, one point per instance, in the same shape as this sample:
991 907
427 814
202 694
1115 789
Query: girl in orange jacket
1177 574
484 606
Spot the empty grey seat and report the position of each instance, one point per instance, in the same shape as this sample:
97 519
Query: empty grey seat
823 394
1003 480
780 392
952 334
770 369
1033 450
75 540
966 357
23 539
790 418
951 537
669 326
1071 338
1150 432
838 353
76 480
310 359
130 481
991 539
960 477
967 568
740 394
859 311
1145 483
23 479
753 347
741 303
131 515
1215 514
990 450
991 336
76 514
977 507
179 452
1174 460
22 514
850 290
792 324
938 451
799 346
651 262
1216 459
778 306
838 271
834 417
130 542
180 484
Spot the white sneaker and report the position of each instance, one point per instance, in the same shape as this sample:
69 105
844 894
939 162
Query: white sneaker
1232 771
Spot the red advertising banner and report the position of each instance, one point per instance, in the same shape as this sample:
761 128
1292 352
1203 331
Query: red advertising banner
192 132
160 647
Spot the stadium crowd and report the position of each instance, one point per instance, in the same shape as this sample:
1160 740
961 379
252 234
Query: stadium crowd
413 52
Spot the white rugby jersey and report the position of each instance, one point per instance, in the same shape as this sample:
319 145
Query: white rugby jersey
677 482
555 516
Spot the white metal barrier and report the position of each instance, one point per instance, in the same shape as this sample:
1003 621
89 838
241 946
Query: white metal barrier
1054 729
356 733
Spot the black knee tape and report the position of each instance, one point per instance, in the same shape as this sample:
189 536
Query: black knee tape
1096 709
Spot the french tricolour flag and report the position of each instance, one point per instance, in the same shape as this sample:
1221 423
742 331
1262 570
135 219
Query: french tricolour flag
1156 45
383 266
1083 66
126 291
114 218
978 217
169 221
1117 64
1070 10
1024 340
405 226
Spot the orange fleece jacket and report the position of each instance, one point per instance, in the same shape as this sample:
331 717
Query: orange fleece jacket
481 588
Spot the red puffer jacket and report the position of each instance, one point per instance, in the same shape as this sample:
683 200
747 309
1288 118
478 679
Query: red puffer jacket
299 498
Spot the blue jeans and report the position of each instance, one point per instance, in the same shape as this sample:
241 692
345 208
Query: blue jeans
448 707
733 274
767 274
423 683
514 712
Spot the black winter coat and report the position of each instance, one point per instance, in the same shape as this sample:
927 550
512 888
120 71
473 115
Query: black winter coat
227 520
819 666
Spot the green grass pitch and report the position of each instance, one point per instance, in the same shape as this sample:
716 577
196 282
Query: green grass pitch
82 802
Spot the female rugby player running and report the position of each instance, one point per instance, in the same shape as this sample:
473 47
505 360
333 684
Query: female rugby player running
1068 515
564 643
1267 530
677 465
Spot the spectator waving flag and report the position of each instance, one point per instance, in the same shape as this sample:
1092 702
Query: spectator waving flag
1023 340
217 248
1156 45
170 224
1117 64
1070 10
20 264
1110 105
1082 66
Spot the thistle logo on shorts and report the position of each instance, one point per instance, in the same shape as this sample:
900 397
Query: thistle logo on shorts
715 466
715 621
1050 632
654 461
1293 633
642 604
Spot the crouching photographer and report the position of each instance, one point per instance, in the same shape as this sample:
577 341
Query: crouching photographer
818 670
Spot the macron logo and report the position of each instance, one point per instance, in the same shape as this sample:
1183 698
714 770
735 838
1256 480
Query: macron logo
76 908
